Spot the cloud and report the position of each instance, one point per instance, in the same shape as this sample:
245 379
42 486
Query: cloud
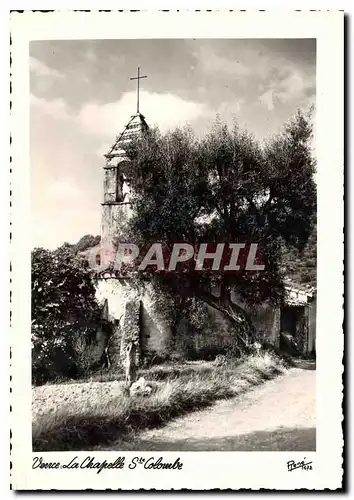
166 110
42 70
232 107
50 230
64 190
229 111
291 85
90 55
294 85
267 99
56 108
277 78
214 63
104 120
61 212
247 64
66 170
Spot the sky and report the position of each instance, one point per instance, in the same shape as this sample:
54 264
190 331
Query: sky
82 97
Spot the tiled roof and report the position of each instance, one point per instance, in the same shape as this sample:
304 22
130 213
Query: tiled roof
135 126
298 295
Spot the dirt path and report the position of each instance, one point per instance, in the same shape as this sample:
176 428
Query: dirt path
279 415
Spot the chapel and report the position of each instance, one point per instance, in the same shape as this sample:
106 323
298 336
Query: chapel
137 315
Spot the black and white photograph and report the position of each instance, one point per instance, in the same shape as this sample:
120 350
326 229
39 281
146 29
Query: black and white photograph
173 228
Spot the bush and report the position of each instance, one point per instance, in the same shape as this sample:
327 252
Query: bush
65 314
151 358
205 353
220 360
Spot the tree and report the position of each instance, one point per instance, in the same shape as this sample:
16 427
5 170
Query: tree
87 241
220 188
301 266
64 311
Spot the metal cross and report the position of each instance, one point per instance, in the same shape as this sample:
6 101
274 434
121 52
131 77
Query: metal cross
138 78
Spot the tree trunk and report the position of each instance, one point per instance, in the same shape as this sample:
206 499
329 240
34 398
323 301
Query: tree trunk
235 313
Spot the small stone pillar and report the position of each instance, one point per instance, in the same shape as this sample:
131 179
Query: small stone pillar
131 330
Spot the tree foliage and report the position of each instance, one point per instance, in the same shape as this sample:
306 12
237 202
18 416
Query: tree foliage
225 187
301 266
65 313
87 241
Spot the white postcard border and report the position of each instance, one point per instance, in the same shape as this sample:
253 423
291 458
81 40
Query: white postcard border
204 470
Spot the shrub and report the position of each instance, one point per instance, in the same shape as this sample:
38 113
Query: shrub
64 313
151 358
220 360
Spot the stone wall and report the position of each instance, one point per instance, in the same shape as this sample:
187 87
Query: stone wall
214 337
267 323
311 344
302 324
266 319
142 319
124 302
156 329
114 218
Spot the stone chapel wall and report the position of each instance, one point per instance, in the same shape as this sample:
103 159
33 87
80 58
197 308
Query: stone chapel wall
154 326
311 343
114 217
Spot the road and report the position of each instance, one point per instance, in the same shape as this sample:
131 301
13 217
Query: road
279 415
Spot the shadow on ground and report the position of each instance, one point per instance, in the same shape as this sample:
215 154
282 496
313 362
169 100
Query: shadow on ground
304 364
281 439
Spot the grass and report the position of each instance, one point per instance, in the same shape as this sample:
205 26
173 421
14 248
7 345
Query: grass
83 424
160 372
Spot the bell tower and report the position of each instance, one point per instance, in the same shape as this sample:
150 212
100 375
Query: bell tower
116 206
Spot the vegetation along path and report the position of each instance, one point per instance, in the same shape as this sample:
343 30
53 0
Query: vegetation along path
276 416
